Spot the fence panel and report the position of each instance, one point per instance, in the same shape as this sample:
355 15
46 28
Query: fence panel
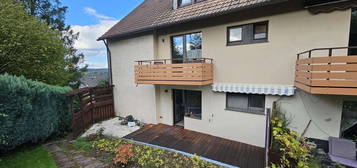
91 105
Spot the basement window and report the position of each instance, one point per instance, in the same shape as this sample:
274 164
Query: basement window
250 103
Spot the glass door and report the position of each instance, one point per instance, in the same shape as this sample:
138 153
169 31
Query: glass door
187 48
353 32
177 49
186 103
193 104
179 106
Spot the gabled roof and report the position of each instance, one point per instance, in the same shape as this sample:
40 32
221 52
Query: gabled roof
154 14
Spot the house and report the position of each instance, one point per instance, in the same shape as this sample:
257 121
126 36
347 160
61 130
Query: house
218 66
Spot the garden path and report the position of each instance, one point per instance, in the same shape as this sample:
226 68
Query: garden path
71 158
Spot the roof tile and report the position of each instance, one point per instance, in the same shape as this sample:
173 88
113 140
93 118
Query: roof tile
155 13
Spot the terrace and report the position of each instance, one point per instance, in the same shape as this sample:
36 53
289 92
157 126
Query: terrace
327 71
197 71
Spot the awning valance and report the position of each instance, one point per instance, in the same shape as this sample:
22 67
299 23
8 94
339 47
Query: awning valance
286 90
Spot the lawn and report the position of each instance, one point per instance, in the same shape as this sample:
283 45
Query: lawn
33 157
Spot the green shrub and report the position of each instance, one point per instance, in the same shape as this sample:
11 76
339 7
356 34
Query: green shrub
31 111
294 150
107 145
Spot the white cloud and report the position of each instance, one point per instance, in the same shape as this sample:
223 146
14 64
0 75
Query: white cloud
93 12
88 35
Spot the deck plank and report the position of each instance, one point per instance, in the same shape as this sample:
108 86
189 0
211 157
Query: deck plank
223 150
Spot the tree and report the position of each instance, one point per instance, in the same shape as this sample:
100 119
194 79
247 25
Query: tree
30 48
53 13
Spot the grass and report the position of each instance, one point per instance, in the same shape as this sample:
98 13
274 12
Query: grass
33 157
82 144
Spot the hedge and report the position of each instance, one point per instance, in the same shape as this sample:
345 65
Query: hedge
31 111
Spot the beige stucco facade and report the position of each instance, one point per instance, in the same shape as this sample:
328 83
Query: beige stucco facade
324 111
129 98
271 62
216 120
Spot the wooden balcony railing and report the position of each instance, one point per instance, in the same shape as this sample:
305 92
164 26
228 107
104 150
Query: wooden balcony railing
336 75
197 71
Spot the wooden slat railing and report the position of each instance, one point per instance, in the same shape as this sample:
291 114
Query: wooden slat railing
189 72
327 75
91 105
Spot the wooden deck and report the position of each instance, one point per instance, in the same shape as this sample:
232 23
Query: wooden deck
215 148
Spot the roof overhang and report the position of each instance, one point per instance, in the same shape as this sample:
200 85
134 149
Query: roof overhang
327 6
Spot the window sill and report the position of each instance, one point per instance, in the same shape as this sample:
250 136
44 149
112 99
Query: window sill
246 111
242 43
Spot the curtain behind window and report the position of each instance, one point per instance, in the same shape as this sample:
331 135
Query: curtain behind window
237 101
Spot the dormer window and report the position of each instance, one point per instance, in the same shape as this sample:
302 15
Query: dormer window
181 3
184 2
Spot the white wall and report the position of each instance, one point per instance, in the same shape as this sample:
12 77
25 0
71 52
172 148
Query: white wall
233 125
138 101
325 111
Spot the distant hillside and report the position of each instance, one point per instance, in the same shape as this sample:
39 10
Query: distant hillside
93 76
97 70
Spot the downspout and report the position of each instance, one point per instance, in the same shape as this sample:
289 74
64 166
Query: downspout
109 59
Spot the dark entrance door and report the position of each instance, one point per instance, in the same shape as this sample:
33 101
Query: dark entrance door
186 102
179 106
349 119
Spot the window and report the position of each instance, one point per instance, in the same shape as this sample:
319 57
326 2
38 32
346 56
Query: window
187 2
349 118
187 103
248 34
186 48
251 103
260 31
353 32
184 2
235 34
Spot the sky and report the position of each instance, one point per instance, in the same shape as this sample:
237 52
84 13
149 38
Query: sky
92 18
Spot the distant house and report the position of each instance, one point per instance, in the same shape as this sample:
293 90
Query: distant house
217 66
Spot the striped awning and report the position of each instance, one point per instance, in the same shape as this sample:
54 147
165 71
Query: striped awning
286 90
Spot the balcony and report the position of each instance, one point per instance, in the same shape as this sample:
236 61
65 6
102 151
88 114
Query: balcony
198 72
318 71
